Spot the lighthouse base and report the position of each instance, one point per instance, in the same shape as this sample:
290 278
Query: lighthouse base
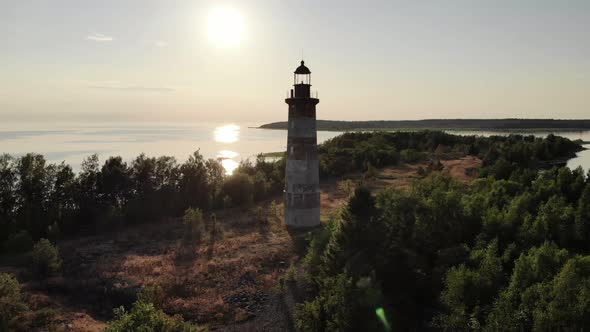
302 218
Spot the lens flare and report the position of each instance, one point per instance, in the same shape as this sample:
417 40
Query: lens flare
381 314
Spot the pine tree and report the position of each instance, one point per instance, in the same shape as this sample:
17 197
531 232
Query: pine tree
351 237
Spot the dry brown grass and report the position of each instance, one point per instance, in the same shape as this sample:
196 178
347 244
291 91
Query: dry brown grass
464 169
247 255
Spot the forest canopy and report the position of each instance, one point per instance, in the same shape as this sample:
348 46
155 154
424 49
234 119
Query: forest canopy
509 252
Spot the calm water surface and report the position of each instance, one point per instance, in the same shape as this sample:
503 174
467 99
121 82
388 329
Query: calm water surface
73 142
231 142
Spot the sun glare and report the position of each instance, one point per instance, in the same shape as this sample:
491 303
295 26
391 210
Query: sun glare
225 27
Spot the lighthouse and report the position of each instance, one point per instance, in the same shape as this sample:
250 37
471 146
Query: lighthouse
302 180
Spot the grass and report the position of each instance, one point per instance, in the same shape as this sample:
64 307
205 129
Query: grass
246 259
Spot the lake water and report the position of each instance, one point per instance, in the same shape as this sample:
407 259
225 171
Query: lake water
230 141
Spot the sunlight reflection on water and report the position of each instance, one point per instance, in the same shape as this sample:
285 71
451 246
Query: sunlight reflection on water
229 133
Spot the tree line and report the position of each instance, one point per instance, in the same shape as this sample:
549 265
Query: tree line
43 200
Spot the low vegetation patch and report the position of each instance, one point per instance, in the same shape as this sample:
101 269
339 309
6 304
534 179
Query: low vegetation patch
12 305
144 316
45 259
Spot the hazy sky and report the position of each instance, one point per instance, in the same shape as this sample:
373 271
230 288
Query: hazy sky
115 60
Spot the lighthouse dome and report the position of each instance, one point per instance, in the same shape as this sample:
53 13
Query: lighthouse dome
302 69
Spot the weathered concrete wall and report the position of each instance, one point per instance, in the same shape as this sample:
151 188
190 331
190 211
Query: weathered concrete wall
302 181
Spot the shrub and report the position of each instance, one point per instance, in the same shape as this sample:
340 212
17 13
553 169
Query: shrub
411 156
44 319
275 211
371 172
46 260
291 274
11 304
145 317
18 242
261 186
193 223
420 171
347 186
240 189
153 294
260 214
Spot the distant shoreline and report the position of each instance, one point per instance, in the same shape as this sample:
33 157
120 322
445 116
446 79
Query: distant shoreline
508 125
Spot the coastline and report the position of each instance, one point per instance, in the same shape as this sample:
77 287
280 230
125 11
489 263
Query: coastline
502 125
507 130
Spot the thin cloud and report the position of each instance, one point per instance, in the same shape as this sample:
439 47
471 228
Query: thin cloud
132 88
160 43
99 37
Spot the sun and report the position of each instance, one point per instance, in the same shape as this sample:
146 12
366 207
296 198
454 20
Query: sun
225 27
